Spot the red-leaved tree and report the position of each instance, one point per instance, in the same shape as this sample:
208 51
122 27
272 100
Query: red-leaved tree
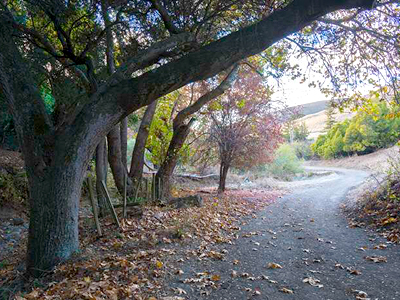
243 127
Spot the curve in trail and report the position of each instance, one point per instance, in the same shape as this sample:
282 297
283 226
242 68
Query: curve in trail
306 233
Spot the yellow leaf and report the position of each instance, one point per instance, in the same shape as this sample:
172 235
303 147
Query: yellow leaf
159 264
389 221
87 279
215 277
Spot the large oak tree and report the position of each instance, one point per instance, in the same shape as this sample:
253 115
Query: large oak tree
173 49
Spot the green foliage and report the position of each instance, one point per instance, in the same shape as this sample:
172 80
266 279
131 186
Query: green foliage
330 118
161 131
286 163
366 132
302 149
295 132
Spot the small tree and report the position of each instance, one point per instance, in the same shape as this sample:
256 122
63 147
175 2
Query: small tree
242 126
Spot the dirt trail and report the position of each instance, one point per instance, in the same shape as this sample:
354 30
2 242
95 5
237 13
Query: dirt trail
305 233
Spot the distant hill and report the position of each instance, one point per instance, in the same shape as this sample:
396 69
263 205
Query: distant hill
311 108
316 122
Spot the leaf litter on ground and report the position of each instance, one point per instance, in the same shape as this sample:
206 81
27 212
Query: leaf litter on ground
133 263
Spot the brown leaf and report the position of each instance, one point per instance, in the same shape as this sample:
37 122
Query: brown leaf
353 271
216 277
376 259
286 290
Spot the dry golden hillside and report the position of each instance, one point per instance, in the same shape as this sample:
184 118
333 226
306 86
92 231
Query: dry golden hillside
316 122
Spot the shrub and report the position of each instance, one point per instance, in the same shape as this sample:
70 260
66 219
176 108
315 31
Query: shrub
286 163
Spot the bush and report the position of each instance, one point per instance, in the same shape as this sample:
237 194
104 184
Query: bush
286 163
302 150
13 188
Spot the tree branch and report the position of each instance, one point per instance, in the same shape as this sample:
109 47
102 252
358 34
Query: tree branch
165 17
203 100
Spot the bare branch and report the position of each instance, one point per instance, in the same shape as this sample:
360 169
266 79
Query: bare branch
218 91
165 17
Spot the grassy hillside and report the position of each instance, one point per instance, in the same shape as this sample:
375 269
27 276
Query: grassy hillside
316 122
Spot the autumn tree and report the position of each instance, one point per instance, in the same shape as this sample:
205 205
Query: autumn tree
243 127
169 45
181 129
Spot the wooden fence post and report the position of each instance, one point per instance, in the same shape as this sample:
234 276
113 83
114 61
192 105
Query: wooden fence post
114 214
94 205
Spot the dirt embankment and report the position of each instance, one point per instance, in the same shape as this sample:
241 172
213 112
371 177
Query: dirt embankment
377 162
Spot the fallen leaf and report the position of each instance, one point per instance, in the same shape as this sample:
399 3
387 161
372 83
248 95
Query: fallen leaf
313 281
376 259
274 266
216 277
234 274
32 295
180 291
389 221
353 271
286 290
360 294
380 246
339 266
159 264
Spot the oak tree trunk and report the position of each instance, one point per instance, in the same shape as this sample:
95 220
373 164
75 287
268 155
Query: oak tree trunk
54 207
124 143
115 158
101 175
164 173
137 161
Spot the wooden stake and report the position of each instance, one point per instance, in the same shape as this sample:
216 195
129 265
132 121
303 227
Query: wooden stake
124 214
159 188
136 191
147 190
153 187
114 214
94 205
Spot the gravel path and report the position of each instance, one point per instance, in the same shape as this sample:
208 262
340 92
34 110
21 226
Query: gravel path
307 235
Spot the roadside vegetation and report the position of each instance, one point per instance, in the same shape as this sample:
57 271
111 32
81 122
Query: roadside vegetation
375 127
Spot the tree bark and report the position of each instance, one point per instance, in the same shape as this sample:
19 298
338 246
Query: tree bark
115 146
223 172
164 173
115 158
54 206
124 143
101 175
137 161
55 171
